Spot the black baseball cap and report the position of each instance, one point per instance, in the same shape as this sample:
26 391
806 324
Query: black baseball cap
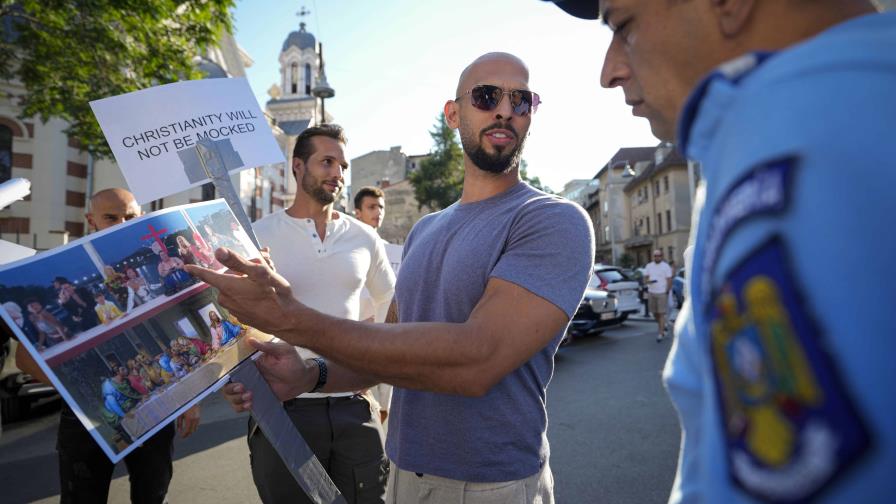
584 9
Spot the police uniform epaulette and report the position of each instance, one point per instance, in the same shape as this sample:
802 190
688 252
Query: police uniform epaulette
732 71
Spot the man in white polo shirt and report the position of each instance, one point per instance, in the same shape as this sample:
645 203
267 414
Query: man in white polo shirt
370 208
658 275
330 257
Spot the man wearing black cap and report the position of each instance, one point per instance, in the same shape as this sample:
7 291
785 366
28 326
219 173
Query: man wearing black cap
779 395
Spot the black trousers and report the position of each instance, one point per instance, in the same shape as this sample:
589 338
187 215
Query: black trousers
85 472
344 436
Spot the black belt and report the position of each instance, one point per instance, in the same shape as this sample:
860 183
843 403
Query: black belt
318 400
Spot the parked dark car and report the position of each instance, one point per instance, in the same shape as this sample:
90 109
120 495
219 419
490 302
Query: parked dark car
678 288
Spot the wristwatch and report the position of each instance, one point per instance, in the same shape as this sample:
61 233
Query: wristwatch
321 374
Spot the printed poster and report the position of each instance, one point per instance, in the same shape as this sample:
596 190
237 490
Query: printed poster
128 337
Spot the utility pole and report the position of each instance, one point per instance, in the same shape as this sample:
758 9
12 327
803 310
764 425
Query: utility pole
322 90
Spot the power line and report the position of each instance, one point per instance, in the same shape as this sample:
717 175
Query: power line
320 34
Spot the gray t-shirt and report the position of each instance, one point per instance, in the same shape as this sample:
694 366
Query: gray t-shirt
540 242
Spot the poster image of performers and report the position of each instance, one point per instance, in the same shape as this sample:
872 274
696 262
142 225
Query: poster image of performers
217 228
127 336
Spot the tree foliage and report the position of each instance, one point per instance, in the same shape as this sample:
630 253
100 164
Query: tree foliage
532 181
69 52
627 261
439 181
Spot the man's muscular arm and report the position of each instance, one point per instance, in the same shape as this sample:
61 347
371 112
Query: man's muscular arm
289 375
506 328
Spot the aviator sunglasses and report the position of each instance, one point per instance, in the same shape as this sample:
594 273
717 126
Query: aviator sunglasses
487 97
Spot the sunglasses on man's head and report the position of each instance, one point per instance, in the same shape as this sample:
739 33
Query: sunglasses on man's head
487 97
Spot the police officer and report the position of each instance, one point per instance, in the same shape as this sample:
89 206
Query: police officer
782 369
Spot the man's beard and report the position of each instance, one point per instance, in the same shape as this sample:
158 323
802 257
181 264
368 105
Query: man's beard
317 191
502 160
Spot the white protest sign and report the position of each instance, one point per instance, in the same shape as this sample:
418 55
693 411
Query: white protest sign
153 133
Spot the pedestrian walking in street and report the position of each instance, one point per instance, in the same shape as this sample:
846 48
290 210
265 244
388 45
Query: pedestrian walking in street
658 277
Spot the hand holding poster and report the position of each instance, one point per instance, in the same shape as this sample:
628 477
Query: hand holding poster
126 335
172 137
153 133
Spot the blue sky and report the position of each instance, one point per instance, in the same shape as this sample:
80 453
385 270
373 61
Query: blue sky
393 63
73 264
114 247
198 213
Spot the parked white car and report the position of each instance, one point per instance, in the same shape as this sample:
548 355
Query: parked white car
614 281
596 312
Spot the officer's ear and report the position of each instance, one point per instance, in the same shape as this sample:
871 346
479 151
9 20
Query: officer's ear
733 15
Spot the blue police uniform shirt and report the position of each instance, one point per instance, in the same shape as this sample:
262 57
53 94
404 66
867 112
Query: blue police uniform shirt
783 362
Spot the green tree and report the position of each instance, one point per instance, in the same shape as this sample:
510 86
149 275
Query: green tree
69 52
439 181
532 181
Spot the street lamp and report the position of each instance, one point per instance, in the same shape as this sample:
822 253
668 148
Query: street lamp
627 172
322 90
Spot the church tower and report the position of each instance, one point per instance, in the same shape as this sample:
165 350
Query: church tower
292 106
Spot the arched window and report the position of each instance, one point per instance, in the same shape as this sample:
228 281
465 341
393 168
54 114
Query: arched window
307 79
5 153
294 77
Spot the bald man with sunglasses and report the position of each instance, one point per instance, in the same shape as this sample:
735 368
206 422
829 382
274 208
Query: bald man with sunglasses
483 298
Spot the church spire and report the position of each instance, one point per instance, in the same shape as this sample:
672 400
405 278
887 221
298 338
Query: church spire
294 103
302 13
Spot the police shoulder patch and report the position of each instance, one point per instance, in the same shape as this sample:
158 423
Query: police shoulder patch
763 190
789 424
